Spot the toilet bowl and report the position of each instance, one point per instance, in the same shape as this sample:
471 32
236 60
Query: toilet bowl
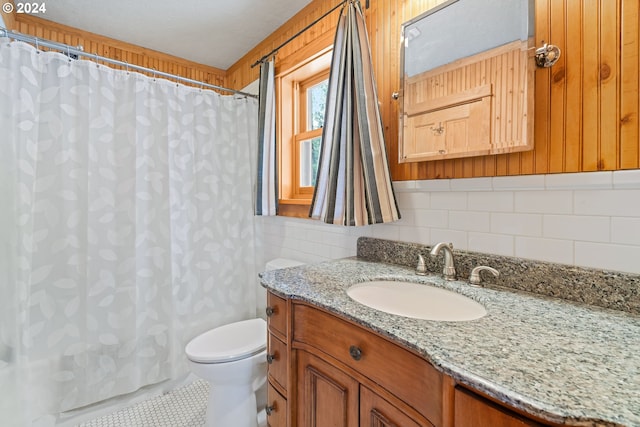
232 359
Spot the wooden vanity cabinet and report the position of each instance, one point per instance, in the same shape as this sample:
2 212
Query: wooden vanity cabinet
326 371
348 376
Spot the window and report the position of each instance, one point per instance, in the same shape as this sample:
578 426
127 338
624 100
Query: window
312 96
301 103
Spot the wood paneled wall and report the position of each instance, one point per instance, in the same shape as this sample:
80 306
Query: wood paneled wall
586 106
114 49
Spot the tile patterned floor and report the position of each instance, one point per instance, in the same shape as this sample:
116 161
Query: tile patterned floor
183 407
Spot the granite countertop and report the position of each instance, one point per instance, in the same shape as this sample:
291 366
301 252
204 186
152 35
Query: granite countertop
562 361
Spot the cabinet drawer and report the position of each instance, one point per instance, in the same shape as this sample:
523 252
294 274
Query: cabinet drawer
278 361
277 314
404 374
276 408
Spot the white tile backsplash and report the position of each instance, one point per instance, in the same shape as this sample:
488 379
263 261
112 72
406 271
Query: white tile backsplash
626 179
449 200
557 202
414 200
576 227
625 230
387 231
471 184
400 186
573 181
497 244
431 218
414 234
523 183
433 185
608 256
608 203
583 219
458 238
519 224
491 201
470 220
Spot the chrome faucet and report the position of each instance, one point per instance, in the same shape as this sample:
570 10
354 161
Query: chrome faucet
449 266
475 278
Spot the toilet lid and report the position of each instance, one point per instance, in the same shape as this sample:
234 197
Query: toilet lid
229 342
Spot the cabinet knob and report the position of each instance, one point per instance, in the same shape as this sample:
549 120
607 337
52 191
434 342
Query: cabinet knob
270 409
355 352
271 358
270 311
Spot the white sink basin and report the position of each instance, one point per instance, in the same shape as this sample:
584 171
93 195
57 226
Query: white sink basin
416 300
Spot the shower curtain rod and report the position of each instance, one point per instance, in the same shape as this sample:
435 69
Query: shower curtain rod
77 51
274 51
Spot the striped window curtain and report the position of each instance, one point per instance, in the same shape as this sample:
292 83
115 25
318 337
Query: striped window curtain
267 185
353 186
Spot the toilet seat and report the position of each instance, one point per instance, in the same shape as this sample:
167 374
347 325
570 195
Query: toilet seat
229 343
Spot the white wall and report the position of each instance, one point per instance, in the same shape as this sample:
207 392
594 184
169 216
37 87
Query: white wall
583 219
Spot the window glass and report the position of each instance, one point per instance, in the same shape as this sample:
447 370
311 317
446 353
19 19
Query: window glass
314 98
309 159
316 101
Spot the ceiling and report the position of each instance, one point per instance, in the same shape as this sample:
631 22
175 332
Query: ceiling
211 32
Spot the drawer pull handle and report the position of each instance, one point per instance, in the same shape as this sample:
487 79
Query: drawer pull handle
270 409
270 311
355 352
271 358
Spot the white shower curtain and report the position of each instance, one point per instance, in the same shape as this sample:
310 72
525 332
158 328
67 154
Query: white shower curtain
126 227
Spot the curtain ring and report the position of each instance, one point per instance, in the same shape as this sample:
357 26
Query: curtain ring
154 74
69 52
126 67
37 46
95 57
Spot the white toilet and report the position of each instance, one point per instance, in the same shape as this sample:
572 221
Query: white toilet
232 358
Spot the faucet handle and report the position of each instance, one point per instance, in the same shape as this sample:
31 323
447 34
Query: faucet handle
475 278
421 268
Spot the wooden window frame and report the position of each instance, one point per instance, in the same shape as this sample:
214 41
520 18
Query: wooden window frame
291 104
301 133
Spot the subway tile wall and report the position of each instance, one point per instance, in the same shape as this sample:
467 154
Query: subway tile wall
582 219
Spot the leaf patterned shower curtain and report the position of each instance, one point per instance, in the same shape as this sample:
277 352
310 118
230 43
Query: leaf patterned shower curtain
354 183
126 228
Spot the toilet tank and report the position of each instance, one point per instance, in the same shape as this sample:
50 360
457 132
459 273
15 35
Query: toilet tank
278 263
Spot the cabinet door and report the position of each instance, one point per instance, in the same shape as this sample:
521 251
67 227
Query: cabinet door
472 410
457 131
378 412
326 396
